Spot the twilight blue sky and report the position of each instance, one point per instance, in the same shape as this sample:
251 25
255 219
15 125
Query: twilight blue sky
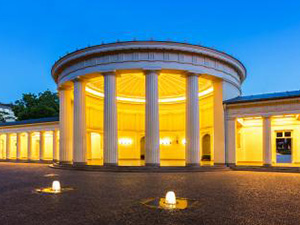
263 34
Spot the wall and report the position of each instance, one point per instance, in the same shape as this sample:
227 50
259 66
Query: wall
249 141
131 125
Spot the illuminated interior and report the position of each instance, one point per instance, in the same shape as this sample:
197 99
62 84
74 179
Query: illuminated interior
48 148
35 145
287 123
131 118
24 145
249 139
2 146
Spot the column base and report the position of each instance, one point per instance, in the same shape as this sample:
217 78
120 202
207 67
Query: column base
32 160
79 164
44 161
110 164
64 162
152 165
192 165
267 165
219 164
230 164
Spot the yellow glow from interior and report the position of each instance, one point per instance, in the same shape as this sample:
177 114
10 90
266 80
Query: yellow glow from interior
142 100
285 116
125 141
165 141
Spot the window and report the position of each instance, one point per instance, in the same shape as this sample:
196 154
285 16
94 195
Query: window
284 142
287 134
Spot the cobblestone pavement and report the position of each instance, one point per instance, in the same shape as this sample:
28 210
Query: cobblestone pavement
225 197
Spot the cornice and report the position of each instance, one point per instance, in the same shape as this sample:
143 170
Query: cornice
108 49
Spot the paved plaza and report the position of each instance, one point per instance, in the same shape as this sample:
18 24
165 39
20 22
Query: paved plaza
224 197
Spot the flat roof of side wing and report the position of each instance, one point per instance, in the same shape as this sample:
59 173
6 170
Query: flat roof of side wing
263 97
31 121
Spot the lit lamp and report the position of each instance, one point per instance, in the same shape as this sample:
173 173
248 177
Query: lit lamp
170 199
165 141
125 141
56 186
170 202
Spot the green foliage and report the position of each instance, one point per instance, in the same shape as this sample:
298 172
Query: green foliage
32 106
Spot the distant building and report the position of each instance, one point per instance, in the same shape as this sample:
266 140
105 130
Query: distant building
6 111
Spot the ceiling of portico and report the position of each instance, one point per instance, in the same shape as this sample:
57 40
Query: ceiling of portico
170 85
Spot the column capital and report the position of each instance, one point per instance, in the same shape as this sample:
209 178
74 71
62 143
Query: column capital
64 88
231 118
191 73
80 79
266 116
109 73
150 70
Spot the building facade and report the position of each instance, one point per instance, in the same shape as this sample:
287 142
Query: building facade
157 104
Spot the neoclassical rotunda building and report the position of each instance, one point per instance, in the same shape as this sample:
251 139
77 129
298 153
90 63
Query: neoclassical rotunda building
152 103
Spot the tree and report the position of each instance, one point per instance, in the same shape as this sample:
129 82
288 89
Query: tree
32 106
2 117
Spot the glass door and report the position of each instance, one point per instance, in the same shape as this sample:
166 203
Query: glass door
284 146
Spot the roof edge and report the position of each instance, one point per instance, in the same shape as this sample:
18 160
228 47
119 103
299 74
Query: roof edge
263 97
31 121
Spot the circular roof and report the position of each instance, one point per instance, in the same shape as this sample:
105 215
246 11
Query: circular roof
105 49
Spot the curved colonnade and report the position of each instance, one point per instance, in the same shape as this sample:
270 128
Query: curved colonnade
148 77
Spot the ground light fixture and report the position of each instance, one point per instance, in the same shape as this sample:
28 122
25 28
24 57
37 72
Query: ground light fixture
54 189
169 202
56 186
170 198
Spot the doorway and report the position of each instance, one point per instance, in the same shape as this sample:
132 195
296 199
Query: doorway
284 146
142 148
206 152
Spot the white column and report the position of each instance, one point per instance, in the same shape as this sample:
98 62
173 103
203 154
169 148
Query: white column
42 145
55 145
8 141
152 157
29 145
110 120
192 132
18 146
65 126
79 128
219 129
267 141
231 141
